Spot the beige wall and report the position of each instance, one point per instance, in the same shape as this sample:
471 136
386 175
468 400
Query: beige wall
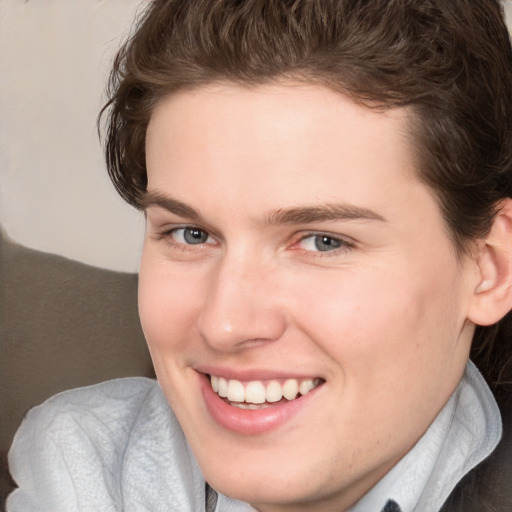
54 193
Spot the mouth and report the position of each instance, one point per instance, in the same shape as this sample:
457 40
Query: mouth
260 402
261 394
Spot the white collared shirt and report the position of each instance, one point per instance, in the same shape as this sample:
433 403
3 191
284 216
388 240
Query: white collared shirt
465 432
117 446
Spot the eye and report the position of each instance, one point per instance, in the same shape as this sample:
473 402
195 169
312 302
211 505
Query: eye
190 236
322 243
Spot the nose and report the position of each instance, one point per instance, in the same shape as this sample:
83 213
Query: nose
241 306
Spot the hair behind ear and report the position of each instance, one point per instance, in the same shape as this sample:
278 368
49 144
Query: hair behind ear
492 352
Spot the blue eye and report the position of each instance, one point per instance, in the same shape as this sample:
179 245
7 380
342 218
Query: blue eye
190 236
321 243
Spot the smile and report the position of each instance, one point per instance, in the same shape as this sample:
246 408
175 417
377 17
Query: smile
258 394
253 407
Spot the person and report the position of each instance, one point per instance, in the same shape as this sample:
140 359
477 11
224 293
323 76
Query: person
327 190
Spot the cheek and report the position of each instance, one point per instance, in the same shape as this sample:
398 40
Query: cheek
168 303
392 345
382 318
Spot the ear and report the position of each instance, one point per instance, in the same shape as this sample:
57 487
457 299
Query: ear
492 297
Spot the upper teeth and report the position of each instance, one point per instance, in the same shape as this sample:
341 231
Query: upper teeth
256 392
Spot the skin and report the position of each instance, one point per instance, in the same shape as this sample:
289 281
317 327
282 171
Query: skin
383 318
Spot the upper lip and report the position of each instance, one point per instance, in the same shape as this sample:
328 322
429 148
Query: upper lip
253 374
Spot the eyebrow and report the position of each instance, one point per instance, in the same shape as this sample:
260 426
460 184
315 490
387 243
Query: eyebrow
322 213
298 215
169 204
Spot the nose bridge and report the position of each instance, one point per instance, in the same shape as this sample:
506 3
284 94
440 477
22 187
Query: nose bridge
239 306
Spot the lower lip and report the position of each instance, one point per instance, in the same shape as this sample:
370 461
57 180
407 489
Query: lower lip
246 421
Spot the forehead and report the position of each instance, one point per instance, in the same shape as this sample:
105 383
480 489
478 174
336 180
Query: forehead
268 112
280 143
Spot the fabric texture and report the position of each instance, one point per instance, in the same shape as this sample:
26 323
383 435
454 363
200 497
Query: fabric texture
63 324
488 488
117 446
464 433
111 447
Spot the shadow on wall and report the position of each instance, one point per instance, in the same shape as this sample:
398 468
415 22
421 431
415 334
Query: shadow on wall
63 324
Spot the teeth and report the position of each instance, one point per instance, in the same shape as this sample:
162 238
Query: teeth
274 391
255 393
223 387
252 407
306 386
235 391
290 389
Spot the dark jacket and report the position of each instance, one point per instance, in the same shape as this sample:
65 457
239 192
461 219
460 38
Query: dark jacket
488 487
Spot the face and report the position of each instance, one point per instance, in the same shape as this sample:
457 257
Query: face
295 265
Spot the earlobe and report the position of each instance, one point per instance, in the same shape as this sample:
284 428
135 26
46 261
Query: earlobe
492 298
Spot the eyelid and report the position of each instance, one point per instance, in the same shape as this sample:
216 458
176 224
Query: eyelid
346 243
167 235
160 220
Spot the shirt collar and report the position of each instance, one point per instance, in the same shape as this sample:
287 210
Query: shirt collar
464 433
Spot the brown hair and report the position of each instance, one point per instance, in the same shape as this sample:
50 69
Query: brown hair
449 61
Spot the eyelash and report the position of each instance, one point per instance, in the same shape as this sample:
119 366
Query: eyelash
343 247
168 235
344 244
